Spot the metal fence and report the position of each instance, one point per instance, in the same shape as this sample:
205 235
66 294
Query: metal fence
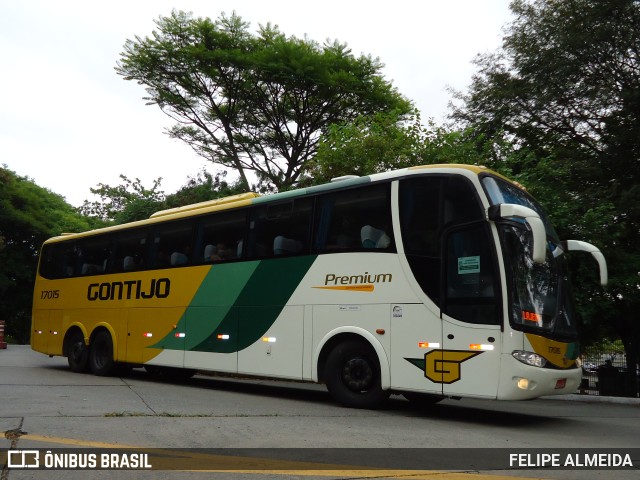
605 372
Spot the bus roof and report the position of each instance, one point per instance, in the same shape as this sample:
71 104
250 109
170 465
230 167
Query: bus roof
252 198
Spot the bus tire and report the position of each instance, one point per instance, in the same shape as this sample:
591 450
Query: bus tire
101 355
352 375
77 352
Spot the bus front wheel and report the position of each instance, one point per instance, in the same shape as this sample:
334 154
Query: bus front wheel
101 355
352 375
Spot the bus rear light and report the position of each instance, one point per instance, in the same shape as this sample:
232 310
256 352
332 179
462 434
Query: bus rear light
181 335
223 336
39 332
428 345
561 383
269 339
147 334
54 332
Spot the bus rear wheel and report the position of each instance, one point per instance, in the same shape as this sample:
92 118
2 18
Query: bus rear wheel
352 375
101 355
77 353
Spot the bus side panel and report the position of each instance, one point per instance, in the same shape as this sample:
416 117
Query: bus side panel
371 318
416 333
211 341
307 358
56 333
46 326
278 352
40 330
471 357
145 326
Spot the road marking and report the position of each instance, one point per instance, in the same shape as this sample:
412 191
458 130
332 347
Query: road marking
168 458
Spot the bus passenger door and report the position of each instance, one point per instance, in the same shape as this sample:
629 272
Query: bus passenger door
471 313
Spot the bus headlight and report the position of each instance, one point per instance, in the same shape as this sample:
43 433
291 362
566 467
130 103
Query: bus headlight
529 358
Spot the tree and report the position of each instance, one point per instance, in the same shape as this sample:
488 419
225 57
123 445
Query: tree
367 145
253 103
565 86
127 202
131 200
29 214
381 143
202 187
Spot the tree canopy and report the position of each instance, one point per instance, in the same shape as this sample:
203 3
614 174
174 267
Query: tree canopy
29 214
131 200
253 102
381 143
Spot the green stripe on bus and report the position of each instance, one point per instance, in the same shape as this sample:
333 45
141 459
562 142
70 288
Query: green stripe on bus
259 304
237 303
211 304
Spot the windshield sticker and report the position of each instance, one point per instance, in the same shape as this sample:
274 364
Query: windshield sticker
468 265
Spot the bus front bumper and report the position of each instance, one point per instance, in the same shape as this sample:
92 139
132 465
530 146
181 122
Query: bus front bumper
519 381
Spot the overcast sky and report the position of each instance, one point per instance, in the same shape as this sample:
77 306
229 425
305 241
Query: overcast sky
69 122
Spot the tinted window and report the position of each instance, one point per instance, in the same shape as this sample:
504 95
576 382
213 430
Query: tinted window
280 229
429 206
471 280
131 251
222 237
94 254
58 260
172 245
354 220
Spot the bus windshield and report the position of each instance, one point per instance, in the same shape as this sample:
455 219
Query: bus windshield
540 298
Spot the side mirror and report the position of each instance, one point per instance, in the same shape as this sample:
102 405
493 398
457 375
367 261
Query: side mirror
578 246
507 210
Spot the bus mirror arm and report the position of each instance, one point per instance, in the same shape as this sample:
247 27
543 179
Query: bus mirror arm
578 246
507 210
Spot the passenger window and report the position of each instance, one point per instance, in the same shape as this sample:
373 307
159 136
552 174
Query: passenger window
421 226
131 251
280 229
94 255
172 245
471 279
59 260
222 237
354 220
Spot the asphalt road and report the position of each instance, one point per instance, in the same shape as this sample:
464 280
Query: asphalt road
45 406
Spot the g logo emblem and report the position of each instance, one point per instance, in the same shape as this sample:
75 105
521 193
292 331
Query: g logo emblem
443 366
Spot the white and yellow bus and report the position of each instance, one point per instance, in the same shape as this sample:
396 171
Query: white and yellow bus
432 282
